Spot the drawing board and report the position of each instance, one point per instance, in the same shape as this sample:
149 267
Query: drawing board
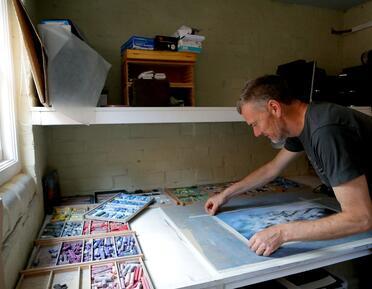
220 243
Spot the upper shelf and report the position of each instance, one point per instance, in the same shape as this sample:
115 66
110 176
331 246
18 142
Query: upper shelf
128 115
132 115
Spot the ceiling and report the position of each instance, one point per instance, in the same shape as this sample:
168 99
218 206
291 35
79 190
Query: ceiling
330 4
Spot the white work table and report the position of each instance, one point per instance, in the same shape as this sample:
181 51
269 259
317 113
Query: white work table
174 261
170 262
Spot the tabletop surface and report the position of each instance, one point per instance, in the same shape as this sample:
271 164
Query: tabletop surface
185 248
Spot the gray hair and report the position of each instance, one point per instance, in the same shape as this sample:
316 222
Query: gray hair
264 88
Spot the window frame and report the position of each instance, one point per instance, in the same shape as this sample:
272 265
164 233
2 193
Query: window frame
9 161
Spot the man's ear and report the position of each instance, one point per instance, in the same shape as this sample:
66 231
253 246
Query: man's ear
274 107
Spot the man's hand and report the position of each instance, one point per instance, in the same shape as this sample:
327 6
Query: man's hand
267 241
213 203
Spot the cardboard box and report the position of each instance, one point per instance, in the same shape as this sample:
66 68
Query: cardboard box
138 42
186 48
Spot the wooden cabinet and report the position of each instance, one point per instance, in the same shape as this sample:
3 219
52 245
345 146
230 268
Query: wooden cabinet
177 66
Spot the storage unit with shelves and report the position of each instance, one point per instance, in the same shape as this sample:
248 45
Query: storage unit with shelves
177 66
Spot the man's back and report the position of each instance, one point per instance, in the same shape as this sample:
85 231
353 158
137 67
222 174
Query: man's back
338 142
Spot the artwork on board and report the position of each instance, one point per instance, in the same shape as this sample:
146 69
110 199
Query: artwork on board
247 222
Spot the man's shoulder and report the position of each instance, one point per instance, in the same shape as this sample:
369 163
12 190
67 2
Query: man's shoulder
324 116
326 111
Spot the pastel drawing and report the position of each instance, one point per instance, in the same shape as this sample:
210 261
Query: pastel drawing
247 222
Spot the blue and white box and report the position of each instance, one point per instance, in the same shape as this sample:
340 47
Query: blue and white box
138 42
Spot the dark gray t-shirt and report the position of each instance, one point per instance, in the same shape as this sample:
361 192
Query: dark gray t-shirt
338 143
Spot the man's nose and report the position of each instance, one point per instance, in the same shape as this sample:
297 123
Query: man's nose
257 132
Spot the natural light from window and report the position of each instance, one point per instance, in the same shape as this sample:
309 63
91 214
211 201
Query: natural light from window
9 164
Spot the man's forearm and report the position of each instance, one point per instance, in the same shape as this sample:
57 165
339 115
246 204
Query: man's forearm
331 227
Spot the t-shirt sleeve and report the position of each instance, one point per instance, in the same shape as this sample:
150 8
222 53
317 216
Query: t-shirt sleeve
293 144
337 150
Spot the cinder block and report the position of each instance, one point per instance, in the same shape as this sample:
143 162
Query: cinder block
93 184
97 145
204 176
69 187
112 170
241 128
119 131
126 156
123 182
243 170
222 129
223 174
67 147
154 130
158 154
179 178
66 133
195 129
79 159
160 165
147 179
222 149
93 132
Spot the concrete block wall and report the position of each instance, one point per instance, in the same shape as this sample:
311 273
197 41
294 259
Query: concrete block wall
244 39
105 157
354 44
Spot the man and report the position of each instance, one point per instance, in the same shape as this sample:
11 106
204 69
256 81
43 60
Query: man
338 143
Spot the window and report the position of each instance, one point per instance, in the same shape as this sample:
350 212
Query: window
9 161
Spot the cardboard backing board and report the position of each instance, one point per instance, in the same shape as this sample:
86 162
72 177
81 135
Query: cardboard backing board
207 236
82 276
120 208
35 50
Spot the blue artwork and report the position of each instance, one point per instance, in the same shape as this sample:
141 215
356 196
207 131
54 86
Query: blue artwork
250 221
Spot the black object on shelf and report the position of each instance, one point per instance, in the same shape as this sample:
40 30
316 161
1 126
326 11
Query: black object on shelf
352 87
150 92
298 75
165 43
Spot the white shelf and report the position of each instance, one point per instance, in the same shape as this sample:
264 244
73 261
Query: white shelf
133 115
